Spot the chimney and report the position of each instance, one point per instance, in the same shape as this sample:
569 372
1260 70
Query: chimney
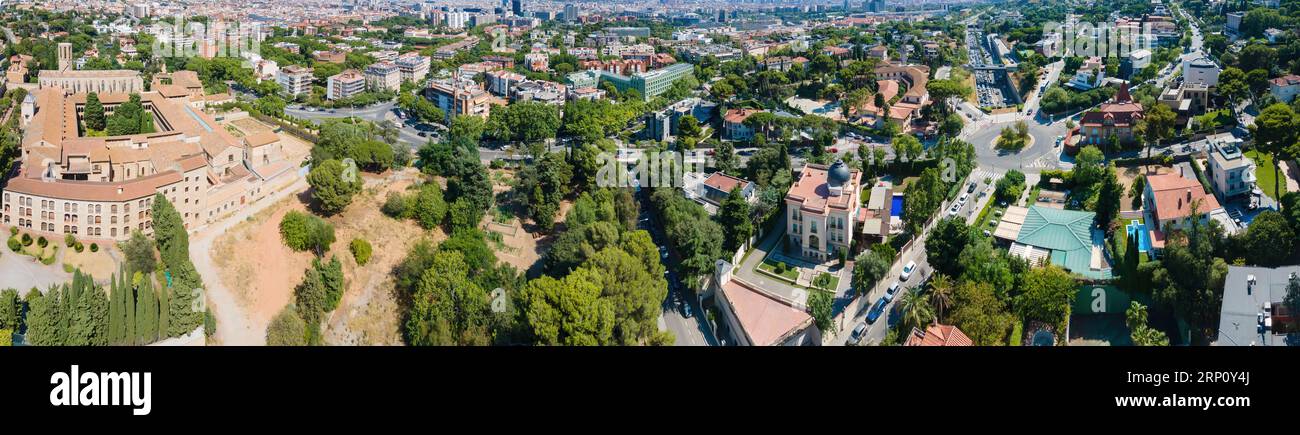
1189 195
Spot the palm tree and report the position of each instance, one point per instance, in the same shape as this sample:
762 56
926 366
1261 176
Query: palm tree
915 308
940 294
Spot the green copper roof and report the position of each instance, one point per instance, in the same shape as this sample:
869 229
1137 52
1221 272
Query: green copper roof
1068 234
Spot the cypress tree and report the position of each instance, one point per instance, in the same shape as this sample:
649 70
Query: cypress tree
128 294
148 315
114 311
93 115
164 312
43 318
92 317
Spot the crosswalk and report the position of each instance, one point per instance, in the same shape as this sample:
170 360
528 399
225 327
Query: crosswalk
1045 161
979 174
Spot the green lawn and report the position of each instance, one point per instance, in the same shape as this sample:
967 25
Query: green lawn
1264 173
988 213
835 283
769 266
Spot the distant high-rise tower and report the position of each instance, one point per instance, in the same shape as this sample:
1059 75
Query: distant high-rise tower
517 6
65 55
570 13
847 5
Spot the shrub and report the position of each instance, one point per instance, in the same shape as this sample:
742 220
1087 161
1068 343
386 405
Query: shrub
50 259
27 239
302 231
14 244
69 240
40 241
68 268
360 251
94 247
79 247
13 231
397 205
6 337
497 164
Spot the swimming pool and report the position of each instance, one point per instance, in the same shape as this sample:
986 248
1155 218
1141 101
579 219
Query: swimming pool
1143 236
896 207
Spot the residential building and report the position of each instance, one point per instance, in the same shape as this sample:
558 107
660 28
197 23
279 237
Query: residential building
1200 68
413 67
539 91
757 317
733 124
1254 310
1117 117
461 97
1066 238
1229 172
1169 201
822 207
295 80
500 82
938 335
537 61
384 76
345 84
1285 88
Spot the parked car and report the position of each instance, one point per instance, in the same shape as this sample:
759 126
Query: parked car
953 211
971 188
908 269
893 290
876 310
855 337
686 309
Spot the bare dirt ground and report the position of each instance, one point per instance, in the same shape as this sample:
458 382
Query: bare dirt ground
1126 177
98 264
369 314
256 265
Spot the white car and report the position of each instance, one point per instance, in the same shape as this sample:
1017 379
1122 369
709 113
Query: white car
953 211
907 270
963 198
893 290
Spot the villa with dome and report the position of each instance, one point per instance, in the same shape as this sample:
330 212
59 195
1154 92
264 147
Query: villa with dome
822 207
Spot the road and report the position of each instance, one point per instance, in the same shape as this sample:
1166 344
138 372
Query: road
687 331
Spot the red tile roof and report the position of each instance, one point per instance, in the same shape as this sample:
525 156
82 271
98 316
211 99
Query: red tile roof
1174 195
938 335
724 182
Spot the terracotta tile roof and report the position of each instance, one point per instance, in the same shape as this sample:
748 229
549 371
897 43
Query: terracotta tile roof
263 138
724 182
765 319
737 116
813 193
1174 195
938 335
91 191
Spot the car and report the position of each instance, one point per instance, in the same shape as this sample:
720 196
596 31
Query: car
893 290
953 211
908 269
686 309
876 310
859 331
962 200
970 188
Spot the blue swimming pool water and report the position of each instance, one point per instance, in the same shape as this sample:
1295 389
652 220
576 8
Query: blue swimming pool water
1144 237
896 208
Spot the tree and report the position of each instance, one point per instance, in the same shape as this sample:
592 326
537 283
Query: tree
9 310
632 281
333 185
1046 295
146 314
1108 199
1142 334
139 252
568 311
1189 278
944 246
1269 240
91 316
724 158
430 208
1233 86
130 118
978 313
1275 133
93 114
1157 124
287 329
43 318
915 310
820 304
1010 187
941 288
734 217
302 231
907 147
868 269
1137 189
447 308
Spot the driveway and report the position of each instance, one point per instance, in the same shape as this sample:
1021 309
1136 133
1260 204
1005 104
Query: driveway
22 272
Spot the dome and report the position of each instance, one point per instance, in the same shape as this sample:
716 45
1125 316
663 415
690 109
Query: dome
838 174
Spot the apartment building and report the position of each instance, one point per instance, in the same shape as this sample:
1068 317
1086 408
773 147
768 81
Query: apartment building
345 84
295 80
383 76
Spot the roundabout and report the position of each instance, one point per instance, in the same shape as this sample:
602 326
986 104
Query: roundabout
1039 152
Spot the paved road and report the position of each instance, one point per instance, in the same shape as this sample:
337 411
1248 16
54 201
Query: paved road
687 331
